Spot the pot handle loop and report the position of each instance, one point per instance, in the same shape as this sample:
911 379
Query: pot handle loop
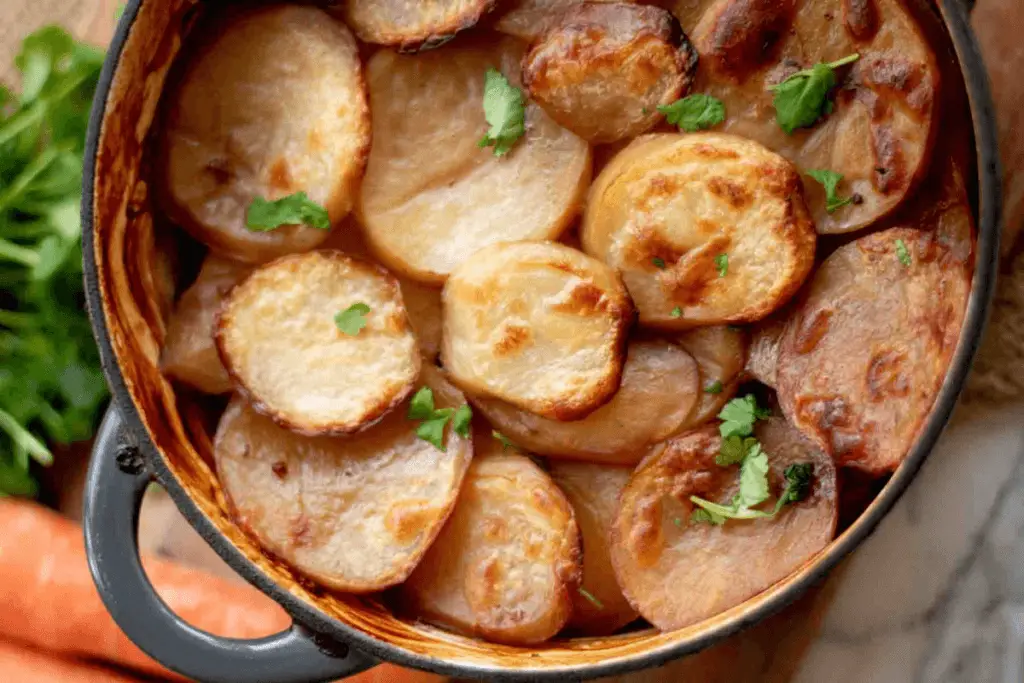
116 485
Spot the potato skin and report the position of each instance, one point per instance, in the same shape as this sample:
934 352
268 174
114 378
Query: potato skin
271 102
508 562
409 27
721 353
529 20
538 325
604 69
868 346
679 573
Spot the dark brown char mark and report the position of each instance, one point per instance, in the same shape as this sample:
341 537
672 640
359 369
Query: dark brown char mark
744 35
860 17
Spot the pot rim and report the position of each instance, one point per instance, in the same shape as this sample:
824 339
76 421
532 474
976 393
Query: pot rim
955 18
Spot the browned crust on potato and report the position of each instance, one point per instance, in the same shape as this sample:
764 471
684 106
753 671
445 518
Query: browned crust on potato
374 415
416 39
744 35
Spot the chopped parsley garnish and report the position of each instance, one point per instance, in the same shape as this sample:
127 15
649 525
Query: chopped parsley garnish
505 111
714 388
658 262
830 181
676 312
462 420
739 415
590 597
735 449
722 263
802 99
352 320
502 439
433 420
296 209
902 253
695 112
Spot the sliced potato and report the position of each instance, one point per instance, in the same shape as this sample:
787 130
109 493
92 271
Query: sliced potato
354 514
279 339
604 69
880 134
529 20
659 391
669 207
599 608
412 26
762 362
677 572
190 354
720 353
272 103
538 325
432 197
866 350
507 563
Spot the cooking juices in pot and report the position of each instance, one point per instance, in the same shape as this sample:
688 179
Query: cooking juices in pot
526 393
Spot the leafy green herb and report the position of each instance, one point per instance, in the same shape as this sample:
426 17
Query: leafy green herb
735 449
505 111
739 415
701 515
714 388
590 597
830 181
902 253
51 385
676 312
504 440
753 479
798 484
678 522
432 430
296 209
658 262
352 320
801 99
421 407
695 112
462 420
722 263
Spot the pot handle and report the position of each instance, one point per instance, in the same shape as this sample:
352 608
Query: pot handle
116 484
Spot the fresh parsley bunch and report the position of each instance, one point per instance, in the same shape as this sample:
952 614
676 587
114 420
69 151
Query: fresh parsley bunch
51 386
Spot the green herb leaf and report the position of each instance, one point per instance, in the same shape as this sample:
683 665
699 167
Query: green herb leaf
504 440
432 430
903 254
753 479
421 407
734 450
676 312
739 415
296 209
722 263
462 420
434 420
590 597
505 111
658 262
801 99
830 181
703 515
352 320
714 388
695 112
798 484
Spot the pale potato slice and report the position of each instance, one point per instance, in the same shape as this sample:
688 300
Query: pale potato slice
669 206
599 607
272 102
508 562
882 129
190 354
411 26
677 572
867 349
354 514
763 359
538 325
658 393
279 339
529 20
432 197
720 353
604 69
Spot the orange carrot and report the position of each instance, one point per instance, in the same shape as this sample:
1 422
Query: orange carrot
18 663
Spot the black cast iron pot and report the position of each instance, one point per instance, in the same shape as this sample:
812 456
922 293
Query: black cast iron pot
151 433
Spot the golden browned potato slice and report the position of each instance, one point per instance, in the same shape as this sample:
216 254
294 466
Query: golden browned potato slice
507 564
605 68
411 26
599 607
354 514
538 325
880 134
272 103
190 354
720 353
659 391
432 197
866 350
283 336
677 572
531 19
670 208
763 359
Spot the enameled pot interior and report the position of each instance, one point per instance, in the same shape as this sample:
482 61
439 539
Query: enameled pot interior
133 288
